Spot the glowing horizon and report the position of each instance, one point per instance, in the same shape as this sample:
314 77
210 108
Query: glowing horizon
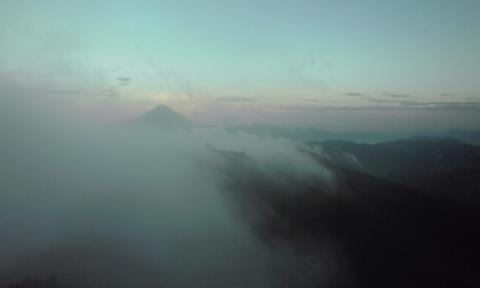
229 61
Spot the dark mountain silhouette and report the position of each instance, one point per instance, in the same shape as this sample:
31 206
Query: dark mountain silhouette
312 134
403 157
388 235
162 117
319 135
71 263
50 282
467 136
440 166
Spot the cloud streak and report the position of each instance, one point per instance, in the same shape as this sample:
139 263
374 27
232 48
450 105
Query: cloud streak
397 95
124 81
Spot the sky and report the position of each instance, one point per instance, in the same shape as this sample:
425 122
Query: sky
342 65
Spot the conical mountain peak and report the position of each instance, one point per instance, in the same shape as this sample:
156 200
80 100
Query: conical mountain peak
162 116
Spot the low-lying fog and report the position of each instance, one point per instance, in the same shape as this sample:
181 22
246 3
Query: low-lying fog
131 207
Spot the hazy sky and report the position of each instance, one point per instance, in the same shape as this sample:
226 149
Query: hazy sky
350 65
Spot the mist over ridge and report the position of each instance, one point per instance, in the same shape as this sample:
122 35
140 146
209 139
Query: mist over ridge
239 144
153 194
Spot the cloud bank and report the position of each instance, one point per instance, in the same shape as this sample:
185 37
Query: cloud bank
100 206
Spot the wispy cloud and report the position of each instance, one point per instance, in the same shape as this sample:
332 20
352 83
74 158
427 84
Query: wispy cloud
353 94
124 81
398 101
235 99
311 72
472 106
448 94
110 92
173 81
397 95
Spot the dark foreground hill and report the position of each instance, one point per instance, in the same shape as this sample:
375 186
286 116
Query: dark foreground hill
383 234
356 231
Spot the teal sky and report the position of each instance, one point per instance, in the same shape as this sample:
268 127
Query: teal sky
335 64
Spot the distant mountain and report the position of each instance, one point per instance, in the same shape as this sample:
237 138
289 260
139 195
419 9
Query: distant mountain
435 165
320 135
467 136
313 134
407 156
162 117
